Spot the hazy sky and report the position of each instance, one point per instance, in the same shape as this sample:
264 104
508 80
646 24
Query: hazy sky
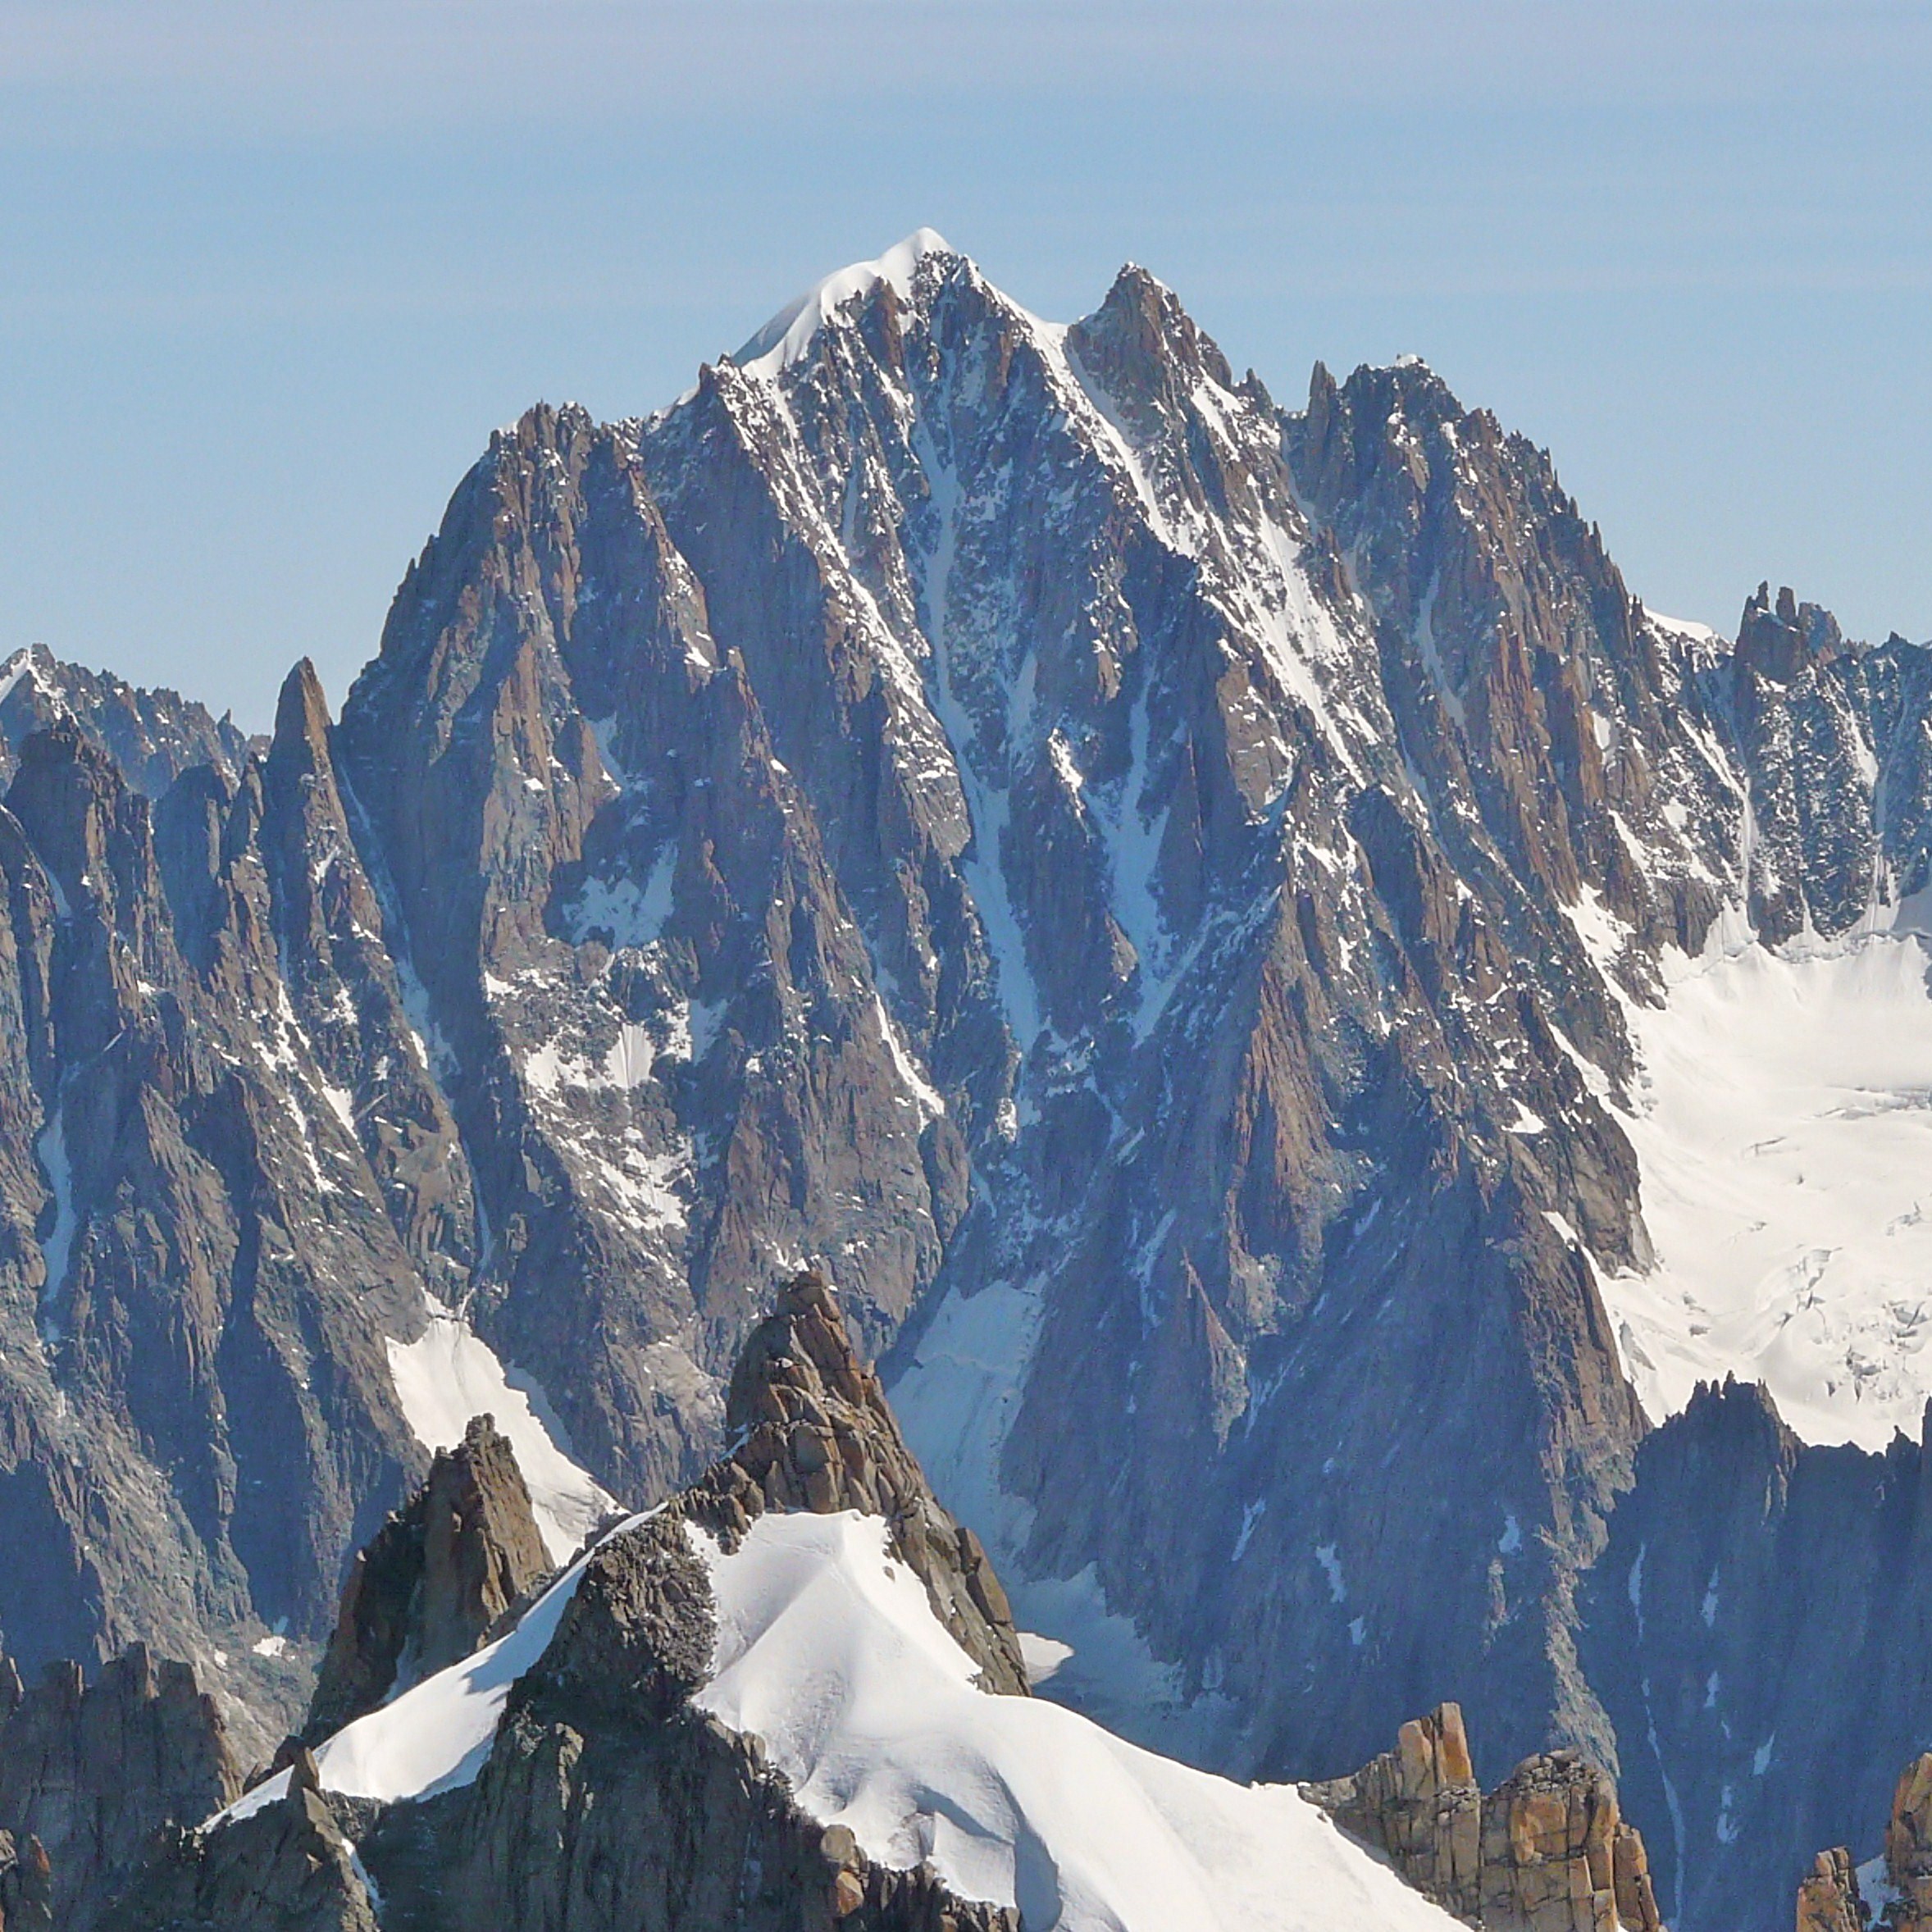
271 271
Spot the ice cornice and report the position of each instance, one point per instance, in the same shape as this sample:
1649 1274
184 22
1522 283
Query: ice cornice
789 334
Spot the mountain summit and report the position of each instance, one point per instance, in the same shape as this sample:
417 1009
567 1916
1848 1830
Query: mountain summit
1316 1033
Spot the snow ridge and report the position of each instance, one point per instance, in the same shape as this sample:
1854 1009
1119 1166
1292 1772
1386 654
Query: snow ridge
830 1651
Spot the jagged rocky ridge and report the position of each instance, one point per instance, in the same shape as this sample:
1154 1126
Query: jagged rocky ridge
153 736
1759 1611
810 1428
436 1579
620 1786
1152 885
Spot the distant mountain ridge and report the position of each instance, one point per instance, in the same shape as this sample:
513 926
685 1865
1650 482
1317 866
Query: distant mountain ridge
1205 917
154 736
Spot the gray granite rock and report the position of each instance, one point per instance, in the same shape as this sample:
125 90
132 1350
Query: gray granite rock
993 808
811 1429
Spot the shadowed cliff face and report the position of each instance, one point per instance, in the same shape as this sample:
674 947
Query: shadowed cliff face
88 1771
1012 812
1756 1621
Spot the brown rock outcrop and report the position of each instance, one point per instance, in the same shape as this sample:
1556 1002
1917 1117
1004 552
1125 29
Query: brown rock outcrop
26 1884
1828 1900
1908 1845
812 1430
1547 1851
1828 1897
1556 1855
435 1579
1421 1804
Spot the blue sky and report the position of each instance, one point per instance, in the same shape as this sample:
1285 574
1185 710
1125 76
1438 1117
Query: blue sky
269 274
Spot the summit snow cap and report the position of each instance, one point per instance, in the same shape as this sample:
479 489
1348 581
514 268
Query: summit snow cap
785 337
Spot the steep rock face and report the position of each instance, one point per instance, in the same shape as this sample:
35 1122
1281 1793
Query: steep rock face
351 998
811 1429
434 1581
26 1884
1835 738
201 1264
1547 1850
1908 1846
666 1052
1149 883
89 1770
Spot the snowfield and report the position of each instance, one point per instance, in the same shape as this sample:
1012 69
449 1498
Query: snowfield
829 1651
1784 1126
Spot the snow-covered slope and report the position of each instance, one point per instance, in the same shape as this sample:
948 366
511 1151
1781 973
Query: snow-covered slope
436 1735
449 1374
785 337
830 1651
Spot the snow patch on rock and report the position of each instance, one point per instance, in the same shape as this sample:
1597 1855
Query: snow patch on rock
449 1374
788 334
57 1250
923 1095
